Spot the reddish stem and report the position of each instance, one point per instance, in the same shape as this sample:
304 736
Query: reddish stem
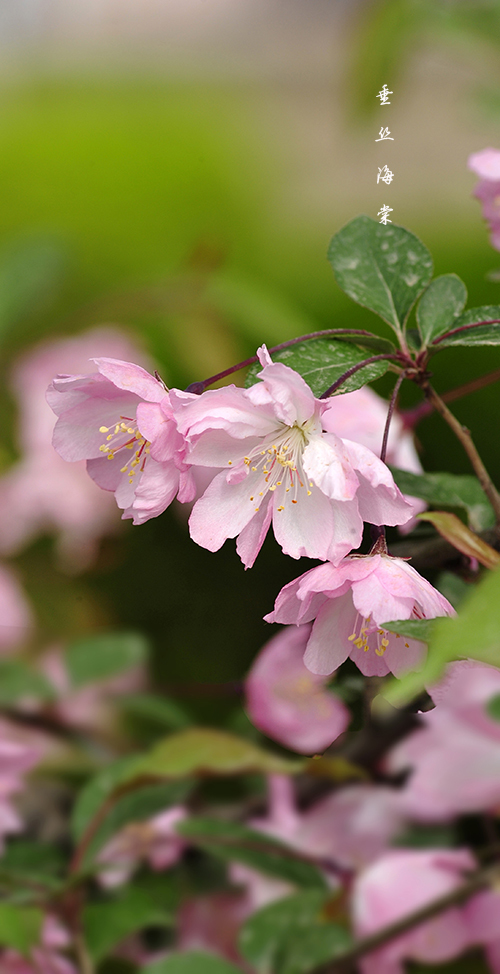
355 368
456 331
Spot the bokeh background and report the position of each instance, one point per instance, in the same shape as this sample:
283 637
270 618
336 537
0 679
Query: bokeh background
176 168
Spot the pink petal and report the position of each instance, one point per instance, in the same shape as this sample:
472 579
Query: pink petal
252 537
329 644
485 163
131 378
221 513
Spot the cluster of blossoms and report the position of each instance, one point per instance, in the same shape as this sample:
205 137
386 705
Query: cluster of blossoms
274 456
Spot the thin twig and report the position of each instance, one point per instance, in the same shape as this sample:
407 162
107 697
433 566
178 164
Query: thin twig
456 331
355 368
463 434
390 412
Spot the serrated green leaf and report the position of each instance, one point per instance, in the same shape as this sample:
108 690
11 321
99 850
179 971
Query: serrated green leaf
107 923
383 268
412 628
20 927
160 710
493 707
447 490
191 962
440 305
293 935
18 680
233 842
473 634
94 658
322 361
462 334
204 750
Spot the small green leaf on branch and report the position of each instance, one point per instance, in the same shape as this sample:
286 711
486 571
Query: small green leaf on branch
462 332
191 962
447 490
421 629
322 361
94 658
107 923
20 927
440 306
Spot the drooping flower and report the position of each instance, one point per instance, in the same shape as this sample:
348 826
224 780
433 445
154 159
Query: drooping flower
281 464
455 754
286 701
361 416
109 418
42 493
396 885
486 164
350 603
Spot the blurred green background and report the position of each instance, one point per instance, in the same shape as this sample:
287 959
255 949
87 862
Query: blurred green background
178 168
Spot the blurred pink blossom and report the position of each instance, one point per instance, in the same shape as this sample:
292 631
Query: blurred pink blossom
155 840
287 702
361 416
16 618
397 884
455 755
281 464
350 603
486 164
45 959
119 419
19 752
42 493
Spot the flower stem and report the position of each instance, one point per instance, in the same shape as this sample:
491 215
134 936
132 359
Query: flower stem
463 434
355 368
347 962
198 387
390 413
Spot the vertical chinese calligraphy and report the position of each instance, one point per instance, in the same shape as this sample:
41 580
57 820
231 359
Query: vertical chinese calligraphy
384 173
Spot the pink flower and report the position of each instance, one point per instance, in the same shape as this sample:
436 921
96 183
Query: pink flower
286 701
109 417
486 164
396 885
212 922
15 613
156 840
455 755
44 959
361 416
19 753
285 466
350 603
42 493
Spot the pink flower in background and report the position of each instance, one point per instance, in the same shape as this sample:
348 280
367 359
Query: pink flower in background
281 465
42 493
399 883
486 164
212 922
91 706
106 418
455 755
156 840
17 758
16 620
287 702
350 603
45 959
361 416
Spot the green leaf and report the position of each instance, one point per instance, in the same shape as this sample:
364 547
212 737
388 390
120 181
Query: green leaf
323 360
383 268
412 628
204 750
96 658
20 927
439 306
134 806
447 490
493 707
18 679
233 842
488 334
458 534
191 962
292 936
473 634
107 923
160 710
27 859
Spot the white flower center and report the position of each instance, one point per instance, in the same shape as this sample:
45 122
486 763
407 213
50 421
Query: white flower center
278 461
126 436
